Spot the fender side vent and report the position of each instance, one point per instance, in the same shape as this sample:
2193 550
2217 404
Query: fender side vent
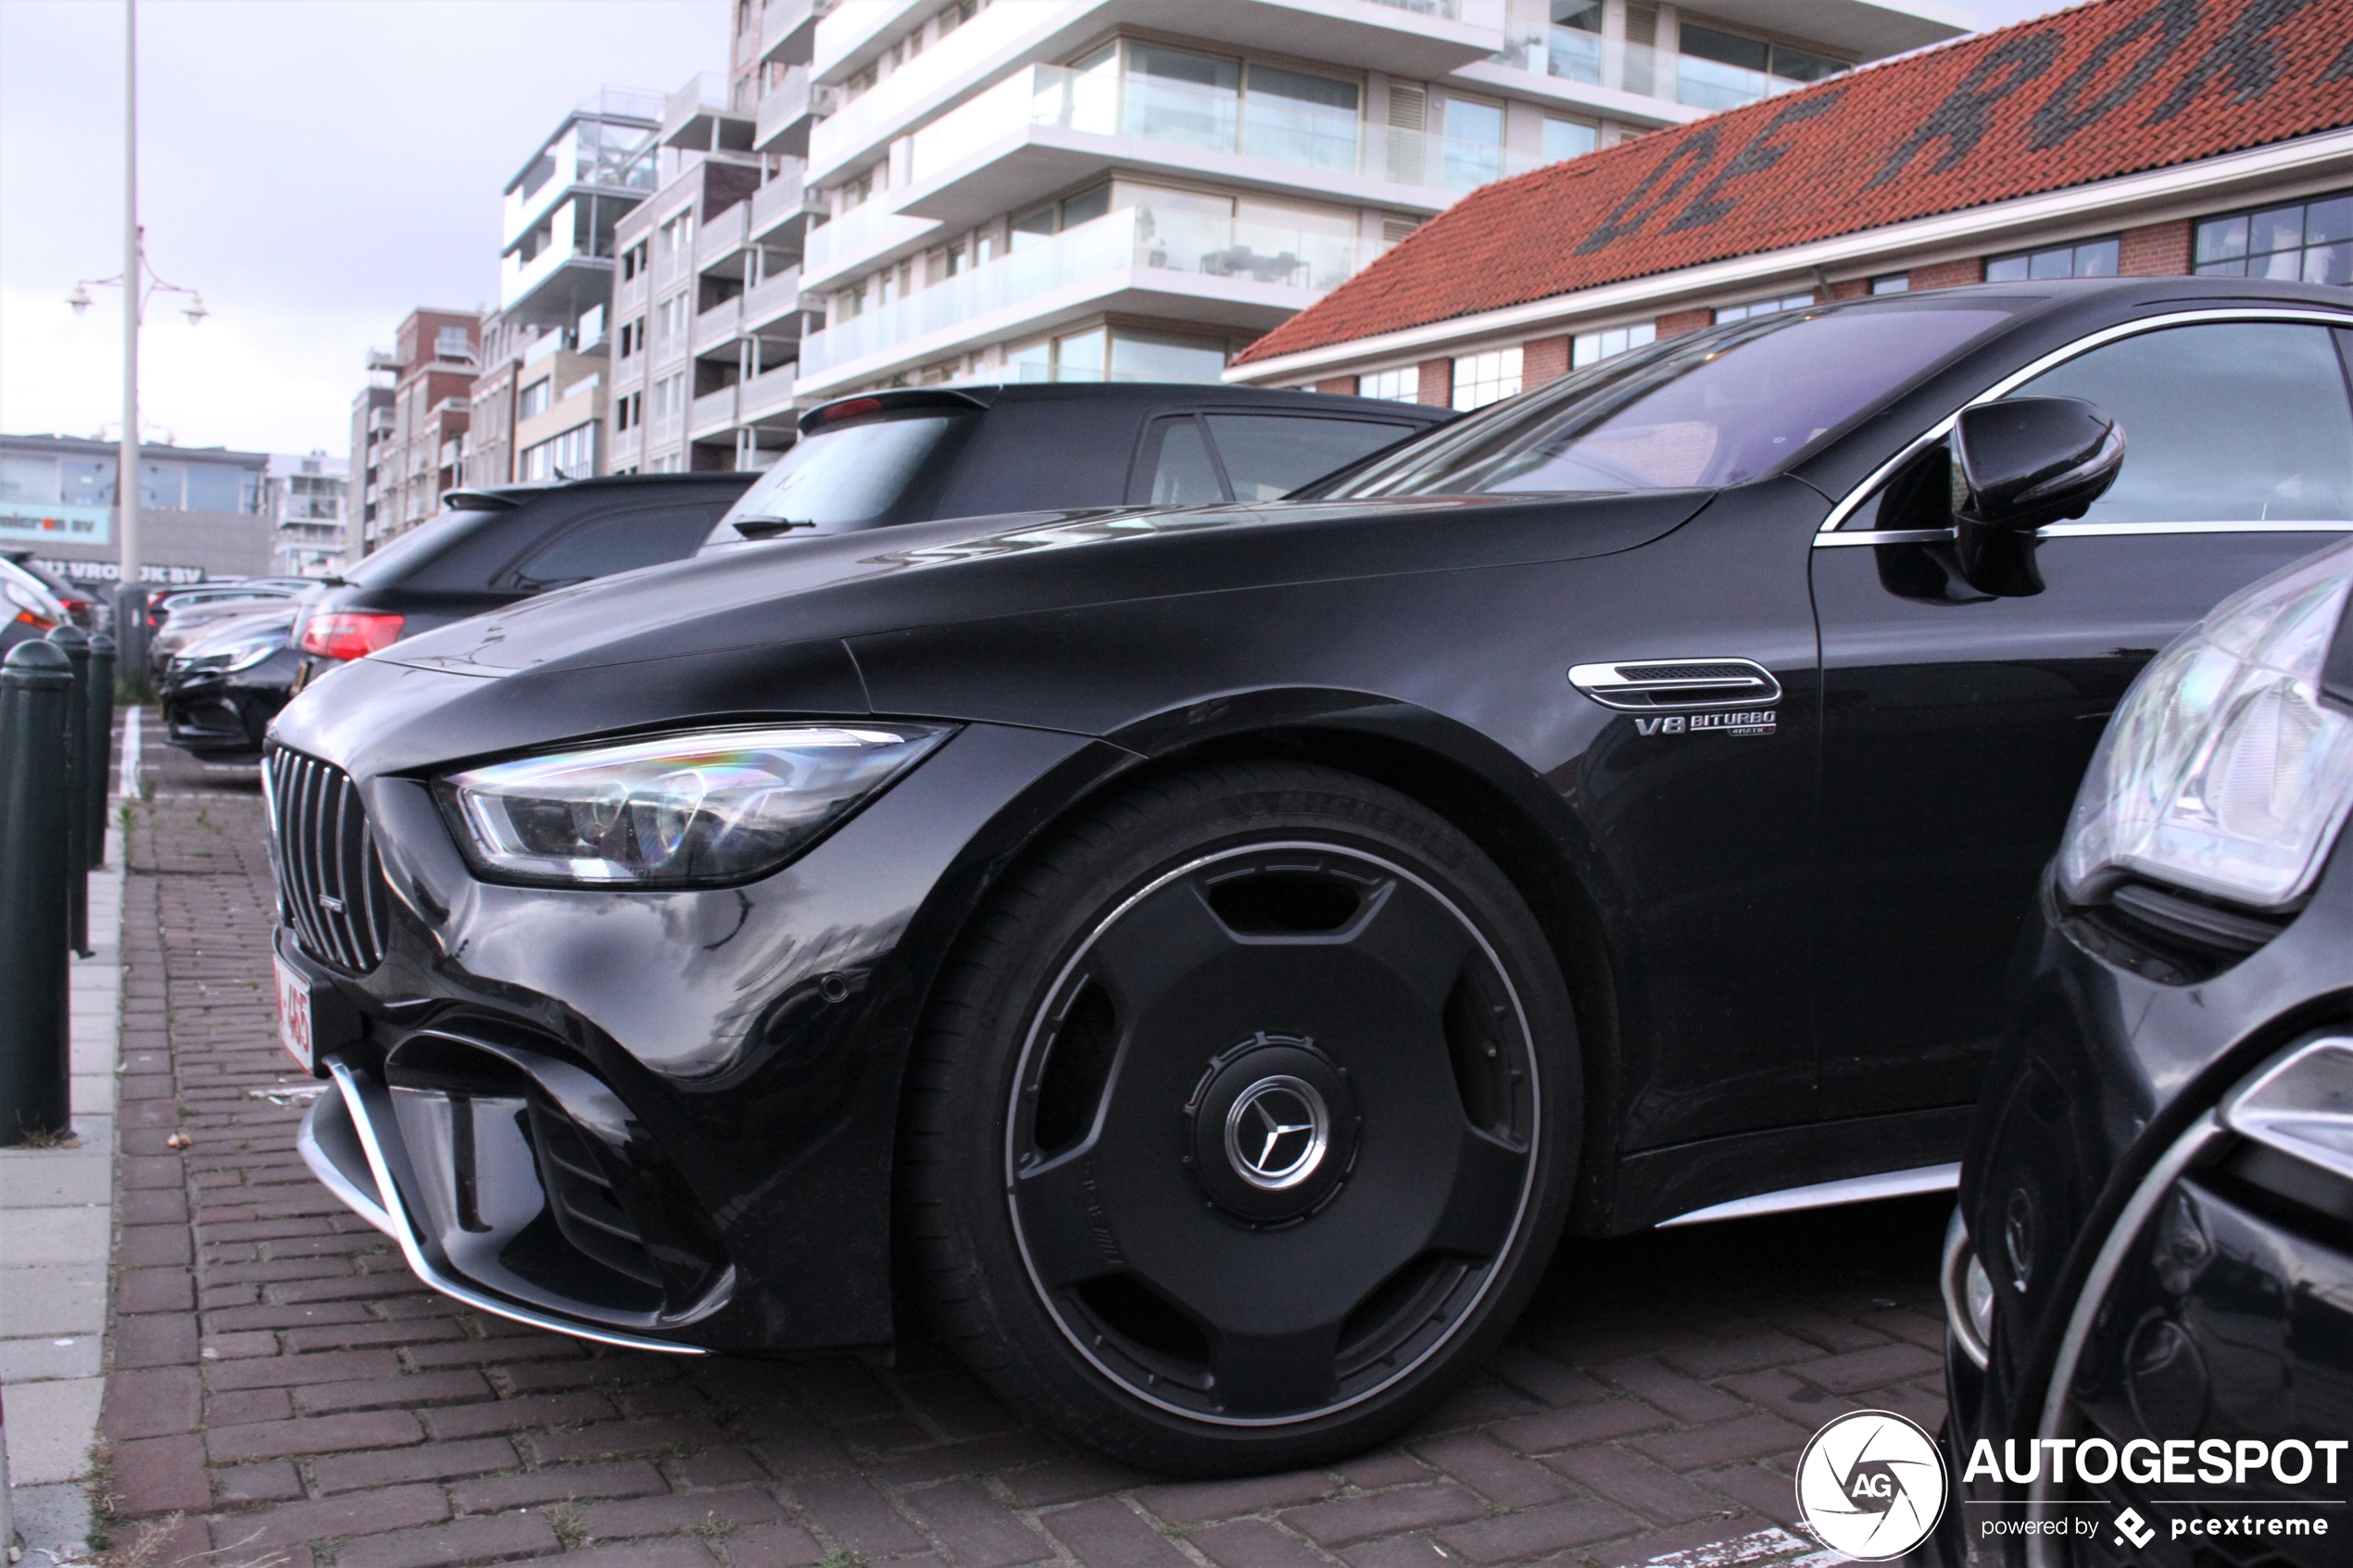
1680 682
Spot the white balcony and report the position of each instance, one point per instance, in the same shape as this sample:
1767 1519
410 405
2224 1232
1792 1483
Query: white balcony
788 110
626 447
781 208
717 325
788 28
767 395
711 413
629 295
1607 68
1416 38
695 116
1045 128
857 239
764 302
1178 265
723 236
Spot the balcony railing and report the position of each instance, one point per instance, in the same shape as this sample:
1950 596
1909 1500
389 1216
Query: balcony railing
767 393
722 234
781 23
1573 55
784 199
626 445
717 325
786 110
631 295
1143 238
1199 118
712 412
764 302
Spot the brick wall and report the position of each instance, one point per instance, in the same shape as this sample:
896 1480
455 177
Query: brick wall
1853 288
1949 274
1676 323
1542 360
1344 385
2157 250
1436 383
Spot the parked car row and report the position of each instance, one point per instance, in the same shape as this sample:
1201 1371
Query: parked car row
1206 930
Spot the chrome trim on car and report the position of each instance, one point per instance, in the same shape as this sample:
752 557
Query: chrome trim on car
1952 1281
369 1206
403 1230
2016 379
2078 531
2317 1131
1642 685
1827 1195
2105 1268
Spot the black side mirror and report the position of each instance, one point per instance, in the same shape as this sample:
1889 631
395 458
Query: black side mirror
2020 463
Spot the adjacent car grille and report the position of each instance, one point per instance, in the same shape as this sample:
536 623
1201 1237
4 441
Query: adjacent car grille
331 888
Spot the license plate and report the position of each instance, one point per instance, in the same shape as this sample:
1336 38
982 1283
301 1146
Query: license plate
294 1013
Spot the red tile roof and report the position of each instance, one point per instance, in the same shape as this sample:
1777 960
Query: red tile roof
2106 89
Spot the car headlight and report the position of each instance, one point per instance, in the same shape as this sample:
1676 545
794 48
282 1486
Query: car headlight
714 806
246 655
2225 771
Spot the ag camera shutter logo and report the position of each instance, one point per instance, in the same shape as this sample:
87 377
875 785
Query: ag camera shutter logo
1871 1484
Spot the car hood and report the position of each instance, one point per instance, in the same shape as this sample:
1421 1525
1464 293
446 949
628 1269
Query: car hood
930 574
764 628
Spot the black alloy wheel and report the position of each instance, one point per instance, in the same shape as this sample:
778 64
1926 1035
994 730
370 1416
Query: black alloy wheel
1244 1122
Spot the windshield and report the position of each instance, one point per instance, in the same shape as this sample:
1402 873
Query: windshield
836 481
412 548
1708 408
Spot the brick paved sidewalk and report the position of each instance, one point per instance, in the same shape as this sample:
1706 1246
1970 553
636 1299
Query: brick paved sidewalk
286 1387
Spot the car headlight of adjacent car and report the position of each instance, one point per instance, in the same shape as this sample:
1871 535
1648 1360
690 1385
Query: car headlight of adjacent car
2225 769
246 654
714 806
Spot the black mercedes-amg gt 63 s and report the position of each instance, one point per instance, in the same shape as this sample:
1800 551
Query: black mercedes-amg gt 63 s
1211 955
2149 1278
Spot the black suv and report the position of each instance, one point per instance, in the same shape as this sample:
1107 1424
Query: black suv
491 546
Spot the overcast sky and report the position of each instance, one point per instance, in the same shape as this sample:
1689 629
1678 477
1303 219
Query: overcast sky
315 167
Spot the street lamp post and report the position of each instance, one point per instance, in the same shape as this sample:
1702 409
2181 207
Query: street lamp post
138 282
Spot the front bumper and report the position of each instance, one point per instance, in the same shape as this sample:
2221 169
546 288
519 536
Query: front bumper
653 1118
214 714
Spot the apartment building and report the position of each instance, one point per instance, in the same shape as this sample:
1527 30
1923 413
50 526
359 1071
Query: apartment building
408 424
303 497
1082 189
2120 138
707 313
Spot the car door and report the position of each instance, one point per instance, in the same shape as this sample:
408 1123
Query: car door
1203 459
1956 724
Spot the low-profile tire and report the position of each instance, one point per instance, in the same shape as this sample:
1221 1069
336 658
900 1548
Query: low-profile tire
1244 1120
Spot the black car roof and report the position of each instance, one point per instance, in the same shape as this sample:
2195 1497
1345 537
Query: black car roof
1178 395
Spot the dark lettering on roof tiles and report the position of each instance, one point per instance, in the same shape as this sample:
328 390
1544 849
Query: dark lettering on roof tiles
2114 88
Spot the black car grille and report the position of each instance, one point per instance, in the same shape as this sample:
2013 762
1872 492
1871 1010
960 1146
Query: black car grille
331 887
581 1198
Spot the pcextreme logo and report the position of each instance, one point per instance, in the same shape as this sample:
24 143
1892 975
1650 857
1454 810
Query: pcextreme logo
1871 1484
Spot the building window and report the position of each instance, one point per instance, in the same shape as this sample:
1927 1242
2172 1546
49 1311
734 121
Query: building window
571 455
633 262
1592 348
1474 142
2310 241
1893 283
1401 386
1762 307
633 337
2092 258
1481 379
628 411
453 343
533 400
1567 138
1721 70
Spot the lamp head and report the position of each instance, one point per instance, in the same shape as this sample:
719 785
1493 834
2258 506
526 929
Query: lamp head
79 299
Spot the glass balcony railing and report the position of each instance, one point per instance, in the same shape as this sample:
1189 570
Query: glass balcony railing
1289 130
1139 237
1573 55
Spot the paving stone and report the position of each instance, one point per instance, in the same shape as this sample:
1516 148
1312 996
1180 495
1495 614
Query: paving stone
1346 1520
855 1514
561 1482
1494 1472
331 1433
423 1462
1224 1500
1624 1476
974 1527
1252 1543
161 1475
1751 1436
680 1511
1578 1522
466 1540
1108 1534
774 1546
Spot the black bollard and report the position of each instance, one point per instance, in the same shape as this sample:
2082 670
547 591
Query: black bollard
36 682
75 643
97 736
131 630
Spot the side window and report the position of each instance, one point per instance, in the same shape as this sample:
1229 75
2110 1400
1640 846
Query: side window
1268 455
1178 468
620 543
2236 422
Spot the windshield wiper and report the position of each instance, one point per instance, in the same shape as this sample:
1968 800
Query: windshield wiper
769 527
